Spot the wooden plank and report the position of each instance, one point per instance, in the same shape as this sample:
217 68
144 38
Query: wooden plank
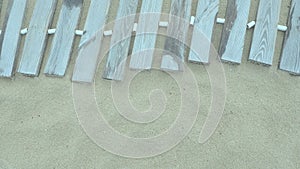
63 39
86 65
173 56
234 31
205 18
10 37
144 44
36 37
290 59
265 32
120 40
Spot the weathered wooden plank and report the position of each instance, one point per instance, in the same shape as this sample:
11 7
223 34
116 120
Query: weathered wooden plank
120 40
290 59
144 44
203 29
173 56
234 31
265 32
63 39
10 37
85 66
36 37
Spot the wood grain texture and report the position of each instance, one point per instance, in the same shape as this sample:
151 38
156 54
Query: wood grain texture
290 59
173 56
36 37
144 44
265 32
205 18
234 30
62 43
86 65
120 40
10 37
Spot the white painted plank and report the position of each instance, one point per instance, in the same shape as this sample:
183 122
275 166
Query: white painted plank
62 44
10 37
203 29
120 40
86 65
290 59
144 44
36 37
234 31
265 32
174 48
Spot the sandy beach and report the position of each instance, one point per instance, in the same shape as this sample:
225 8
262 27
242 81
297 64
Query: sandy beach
260 127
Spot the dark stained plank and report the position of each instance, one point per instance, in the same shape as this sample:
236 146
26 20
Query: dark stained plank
120 40
62 43
265 32
85 66
36 37
234 30
205 18
290 59
143 49
174 49
10 37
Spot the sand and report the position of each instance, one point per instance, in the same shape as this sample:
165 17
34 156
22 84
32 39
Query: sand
260 127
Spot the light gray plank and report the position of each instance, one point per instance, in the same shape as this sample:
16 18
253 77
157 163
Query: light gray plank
86 65
36 37
265 32
173 56
120 40
63 39
203 29
290 59
234 31
144 44
10 37
174 49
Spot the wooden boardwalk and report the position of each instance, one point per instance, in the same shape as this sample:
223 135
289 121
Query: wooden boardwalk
234 31
144 44
120 40
86 63
10 36
265 33
290 59
36 37
203 29
62 44
178 26
174 50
